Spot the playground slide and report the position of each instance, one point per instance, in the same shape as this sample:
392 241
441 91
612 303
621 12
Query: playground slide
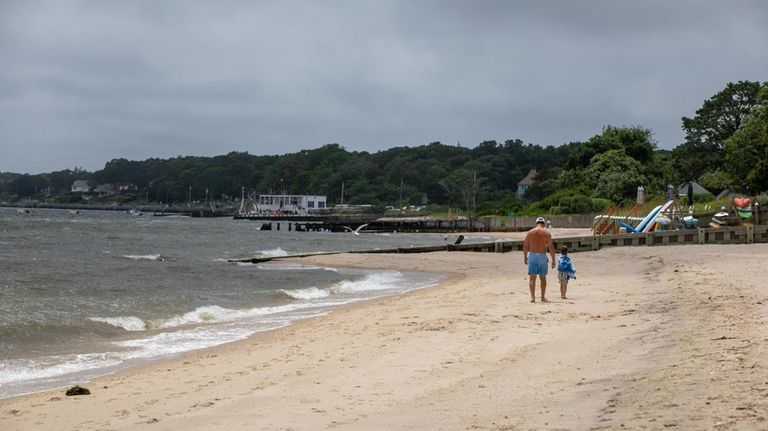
647 224
651 225
647 220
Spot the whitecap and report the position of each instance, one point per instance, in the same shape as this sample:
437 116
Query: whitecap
371 282
275 252
308 293
215 314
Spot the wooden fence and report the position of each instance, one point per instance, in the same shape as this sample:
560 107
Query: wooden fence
515 223
522 223
726 235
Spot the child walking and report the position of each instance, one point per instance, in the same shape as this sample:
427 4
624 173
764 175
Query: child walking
565 270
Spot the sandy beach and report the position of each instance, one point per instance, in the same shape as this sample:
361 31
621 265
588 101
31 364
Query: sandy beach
650 338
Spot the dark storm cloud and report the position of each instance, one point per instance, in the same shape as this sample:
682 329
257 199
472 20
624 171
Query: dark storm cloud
87 81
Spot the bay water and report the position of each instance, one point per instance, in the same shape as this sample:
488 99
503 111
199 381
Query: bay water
84 294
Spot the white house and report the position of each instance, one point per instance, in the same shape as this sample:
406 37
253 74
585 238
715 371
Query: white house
525 183
290 204
81 186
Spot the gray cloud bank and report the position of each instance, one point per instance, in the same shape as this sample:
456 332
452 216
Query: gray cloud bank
83 82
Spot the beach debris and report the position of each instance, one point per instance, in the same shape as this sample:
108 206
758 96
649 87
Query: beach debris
77 390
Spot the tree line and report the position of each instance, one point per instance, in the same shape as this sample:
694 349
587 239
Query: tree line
726 146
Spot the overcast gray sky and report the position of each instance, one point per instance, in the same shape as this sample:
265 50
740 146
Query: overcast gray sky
83 82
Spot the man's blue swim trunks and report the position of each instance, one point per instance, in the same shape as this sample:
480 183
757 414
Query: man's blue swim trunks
538 264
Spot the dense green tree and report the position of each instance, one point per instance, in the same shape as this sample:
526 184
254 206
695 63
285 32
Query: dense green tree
716 181
636 142
714 123
614 175
746 151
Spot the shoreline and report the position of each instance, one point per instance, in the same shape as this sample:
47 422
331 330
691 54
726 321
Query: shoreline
85 377
651 338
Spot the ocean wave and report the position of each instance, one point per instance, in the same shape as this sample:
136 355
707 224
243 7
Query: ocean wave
202 327
169 343
129 323
275 252
216 314
212 314
308 293
53 366
372 282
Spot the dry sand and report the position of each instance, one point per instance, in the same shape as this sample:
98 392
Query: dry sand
651 338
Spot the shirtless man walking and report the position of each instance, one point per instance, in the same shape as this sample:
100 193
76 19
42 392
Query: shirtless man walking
537 242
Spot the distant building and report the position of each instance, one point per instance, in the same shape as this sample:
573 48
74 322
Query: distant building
290 204
83 186
682 189
123 187
525 183
104 189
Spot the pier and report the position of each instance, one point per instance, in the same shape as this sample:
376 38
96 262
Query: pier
371 223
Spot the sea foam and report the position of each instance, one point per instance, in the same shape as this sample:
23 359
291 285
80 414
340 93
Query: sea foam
371 282
308 293
275 252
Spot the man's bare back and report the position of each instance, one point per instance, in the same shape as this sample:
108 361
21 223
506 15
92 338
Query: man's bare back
539 240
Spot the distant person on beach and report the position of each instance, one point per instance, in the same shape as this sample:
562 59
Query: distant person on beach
565 270
538 241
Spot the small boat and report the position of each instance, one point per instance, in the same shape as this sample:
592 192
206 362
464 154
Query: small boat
743 207
720 218
689 222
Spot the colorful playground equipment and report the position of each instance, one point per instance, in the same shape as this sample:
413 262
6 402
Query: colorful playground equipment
661 217
668 216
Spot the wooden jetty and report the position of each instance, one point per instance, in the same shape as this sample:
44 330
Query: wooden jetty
369 222
307 223
726 235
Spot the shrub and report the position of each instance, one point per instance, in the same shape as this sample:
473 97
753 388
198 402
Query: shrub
576 204
599 204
